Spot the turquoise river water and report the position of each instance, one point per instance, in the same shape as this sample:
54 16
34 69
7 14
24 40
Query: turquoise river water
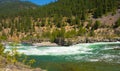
101 56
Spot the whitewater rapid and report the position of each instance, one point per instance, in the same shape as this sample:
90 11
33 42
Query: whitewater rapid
84 48
102 51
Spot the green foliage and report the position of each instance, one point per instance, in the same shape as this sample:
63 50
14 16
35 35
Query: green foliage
10 56
117 24
91 33
23 17
12 7
32 61
13 56
46 34
57 34
77 21
57 10
81 32
67 8
104 6
3 37
89 24
1 49
96 25
70 34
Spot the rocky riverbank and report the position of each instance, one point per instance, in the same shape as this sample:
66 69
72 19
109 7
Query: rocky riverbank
73 41
69 41
91 40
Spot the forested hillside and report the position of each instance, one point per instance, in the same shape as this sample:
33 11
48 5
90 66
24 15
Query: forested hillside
12 7
67 8
58 20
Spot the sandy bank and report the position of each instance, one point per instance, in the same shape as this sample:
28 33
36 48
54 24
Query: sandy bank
45 44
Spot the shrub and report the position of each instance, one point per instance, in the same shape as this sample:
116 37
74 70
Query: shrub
117 24
1 49
81 32
96 25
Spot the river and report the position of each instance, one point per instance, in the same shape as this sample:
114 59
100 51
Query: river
101 56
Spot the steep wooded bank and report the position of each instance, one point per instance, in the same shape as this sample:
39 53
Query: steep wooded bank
62 22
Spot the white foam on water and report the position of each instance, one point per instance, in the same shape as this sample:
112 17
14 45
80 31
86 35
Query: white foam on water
108 48
33 50
88 44
72 50
93 60
106 43
109 58
56 51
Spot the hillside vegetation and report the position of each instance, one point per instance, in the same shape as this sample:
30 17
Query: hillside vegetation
62 20
9 61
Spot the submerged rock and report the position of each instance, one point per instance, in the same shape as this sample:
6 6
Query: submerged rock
116 48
